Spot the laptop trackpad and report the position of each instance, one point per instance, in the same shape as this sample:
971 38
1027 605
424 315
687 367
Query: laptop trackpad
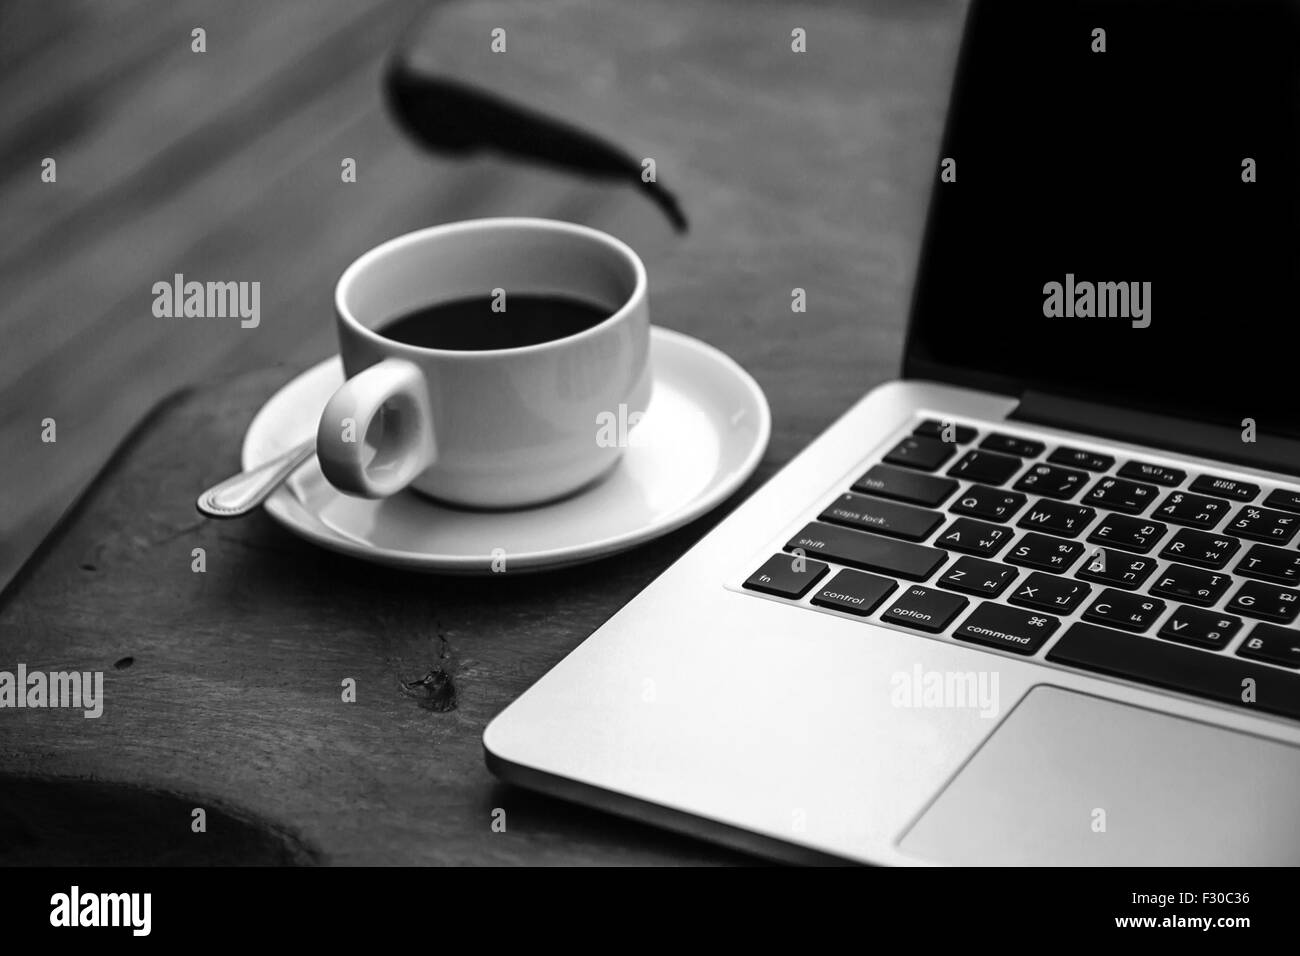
1074 779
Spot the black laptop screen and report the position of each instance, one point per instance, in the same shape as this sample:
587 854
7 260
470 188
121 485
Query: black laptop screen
1119 221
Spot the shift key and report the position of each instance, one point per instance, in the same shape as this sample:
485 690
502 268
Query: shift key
868 552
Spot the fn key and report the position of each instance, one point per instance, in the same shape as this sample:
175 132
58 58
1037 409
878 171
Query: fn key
787 576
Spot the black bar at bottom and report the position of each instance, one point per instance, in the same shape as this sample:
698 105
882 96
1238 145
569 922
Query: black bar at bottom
1178 668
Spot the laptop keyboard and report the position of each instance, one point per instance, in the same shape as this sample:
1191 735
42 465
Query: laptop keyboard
1187 582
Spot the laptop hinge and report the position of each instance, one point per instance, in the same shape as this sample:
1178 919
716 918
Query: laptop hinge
1268 452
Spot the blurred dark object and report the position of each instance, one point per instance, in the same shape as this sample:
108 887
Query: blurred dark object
445 116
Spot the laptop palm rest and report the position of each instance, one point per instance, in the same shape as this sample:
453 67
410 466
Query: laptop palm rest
1071 779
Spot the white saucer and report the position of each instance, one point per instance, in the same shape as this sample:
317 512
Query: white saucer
704 433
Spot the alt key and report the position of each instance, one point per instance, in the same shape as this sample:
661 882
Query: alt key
925 609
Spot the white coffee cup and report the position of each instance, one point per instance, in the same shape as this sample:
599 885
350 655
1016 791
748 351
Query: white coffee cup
496 428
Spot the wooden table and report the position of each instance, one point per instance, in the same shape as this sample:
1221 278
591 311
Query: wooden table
223 688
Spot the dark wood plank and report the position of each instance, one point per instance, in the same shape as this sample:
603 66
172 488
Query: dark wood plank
232 697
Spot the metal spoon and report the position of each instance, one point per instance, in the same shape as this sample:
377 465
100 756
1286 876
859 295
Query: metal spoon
238 495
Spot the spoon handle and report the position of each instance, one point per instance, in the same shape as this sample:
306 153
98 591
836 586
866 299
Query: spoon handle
239 495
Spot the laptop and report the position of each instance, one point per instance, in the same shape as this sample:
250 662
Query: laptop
1038 600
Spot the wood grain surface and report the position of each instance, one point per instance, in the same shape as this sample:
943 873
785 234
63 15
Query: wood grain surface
223 688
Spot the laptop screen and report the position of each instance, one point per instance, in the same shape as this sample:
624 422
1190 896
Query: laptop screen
1115 210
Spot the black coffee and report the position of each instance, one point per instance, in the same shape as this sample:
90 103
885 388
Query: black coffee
470 325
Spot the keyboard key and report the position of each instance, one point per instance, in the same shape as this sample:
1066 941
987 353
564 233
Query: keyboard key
981 578
1007 628
882 517
946 431
868 552
1261 524
1183 669
1201 549
974 537
1267 601
1052 481
992 504
1011 445
985 467
1160 474
854 592
1225 488
1057 517
1193 585
1271 564
1120 494
1197 511
1078 458
786 577
1284 500
1120 570
927 454
1273 644
1192 625
907 486
925 609
1044 553
1042 592
1128 534
1132 612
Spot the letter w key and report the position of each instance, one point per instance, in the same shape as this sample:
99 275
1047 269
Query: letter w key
1058 517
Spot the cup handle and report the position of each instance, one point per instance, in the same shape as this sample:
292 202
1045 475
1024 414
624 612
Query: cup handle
376 432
